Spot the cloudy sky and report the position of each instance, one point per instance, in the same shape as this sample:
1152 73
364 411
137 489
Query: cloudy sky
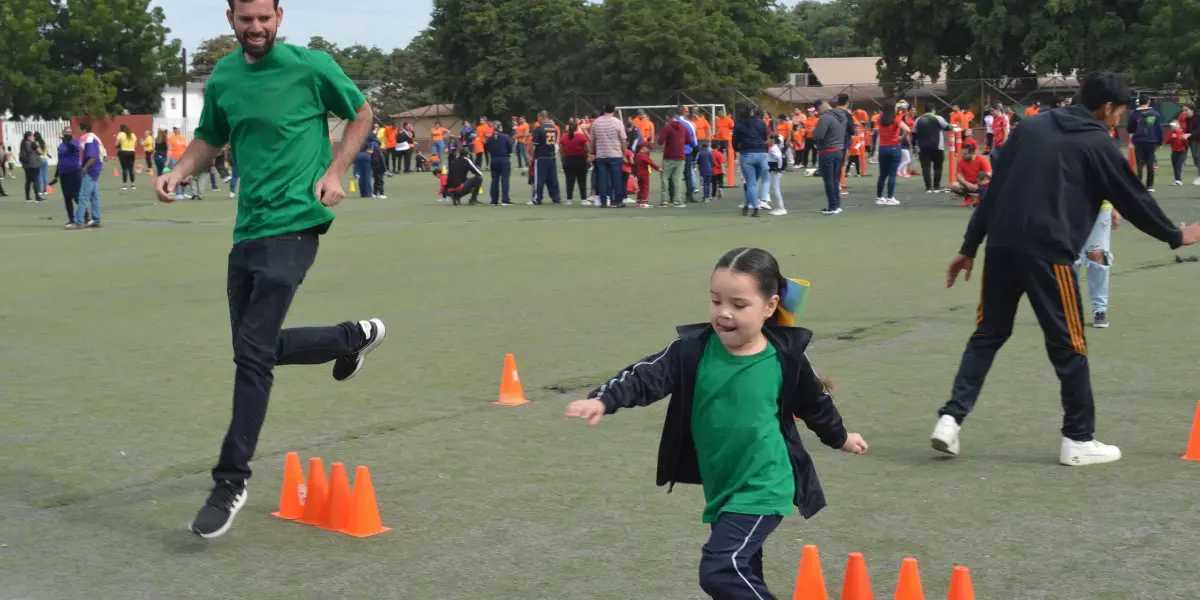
384 23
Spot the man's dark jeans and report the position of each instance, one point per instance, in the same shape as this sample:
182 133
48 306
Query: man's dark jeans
830 166
264 275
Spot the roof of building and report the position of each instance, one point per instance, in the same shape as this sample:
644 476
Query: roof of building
433 110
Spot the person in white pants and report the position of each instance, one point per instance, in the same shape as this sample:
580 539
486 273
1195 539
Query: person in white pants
1097 254
776 166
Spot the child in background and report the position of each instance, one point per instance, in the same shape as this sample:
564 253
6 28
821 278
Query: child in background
642 164
858 150
776 165
626 173
435 162
736 383
1179 149
379 167
718 171
421 161
704 163
443 195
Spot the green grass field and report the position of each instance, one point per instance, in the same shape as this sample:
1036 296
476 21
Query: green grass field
117 378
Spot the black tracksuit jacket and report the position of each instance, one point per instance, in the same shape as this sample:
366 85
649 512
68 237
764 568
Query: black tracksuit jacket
1055 171
672 372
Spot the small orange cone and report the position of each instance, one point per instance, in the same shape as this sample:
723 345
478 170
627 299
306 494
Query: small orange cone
49 189
857 585
316 496
340 501
290 505
116 172
364 516
960 585
909 586
810 583
511 392
1193 447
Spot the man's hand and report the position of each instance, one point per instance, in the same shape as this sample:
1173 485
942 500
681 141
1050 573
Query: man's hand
590 410
1116 219
855 444
962 262
164 185
1191 233
329 190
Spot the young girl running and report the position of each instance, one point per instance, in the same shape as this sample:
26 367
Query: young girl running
735 384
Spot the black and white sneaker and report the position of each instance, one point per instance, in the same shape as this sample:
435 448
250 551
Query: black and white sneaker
1100 319
216 516
348 366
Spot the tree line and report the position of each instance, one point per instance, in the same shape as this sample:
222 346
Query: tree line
499 57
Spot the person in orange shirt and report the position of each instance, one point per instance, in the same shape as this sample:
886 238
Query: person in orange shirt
437 135
1033 110
810 149
783 128
858 150
521 134
645 125
860 117
970 167
389 144
724 132
703 127
799 135
482 132
177 144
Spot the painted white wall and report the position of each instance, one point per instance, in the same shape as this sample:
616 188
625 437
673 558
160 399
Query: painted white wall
172 104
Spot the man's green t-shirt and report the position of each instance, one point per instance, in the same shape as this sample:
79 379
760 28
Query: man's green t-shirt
741 451
273 114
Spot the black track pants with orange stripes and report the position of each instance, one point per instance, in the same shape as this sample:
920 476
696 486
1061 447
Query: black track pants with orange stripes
1053 291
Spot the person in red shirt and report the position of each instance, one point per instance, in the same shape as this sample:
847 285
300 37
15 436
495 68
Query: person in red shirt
970 167
574 149
999 127
1179 149
672 138
642 164
718 169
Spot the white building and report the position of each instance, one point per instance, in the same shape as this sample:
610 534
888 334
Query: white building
170 113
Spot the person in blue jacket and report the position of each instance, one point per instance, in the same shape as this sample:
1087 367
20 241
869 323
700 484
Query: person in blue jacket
1146 135
499 148
704 162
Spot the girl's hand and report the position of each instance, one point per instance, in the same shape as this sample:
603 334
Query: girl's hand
855 444
591 409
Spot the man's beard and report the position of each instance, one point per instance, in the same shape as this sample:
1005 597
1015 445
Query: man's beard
255 52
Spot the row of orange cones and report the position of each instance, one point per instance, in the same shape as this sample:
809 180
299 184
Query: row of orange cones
810 582
328 503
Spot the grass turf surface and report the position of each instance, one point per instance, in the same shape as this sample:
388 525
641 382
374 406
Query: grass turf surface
118 374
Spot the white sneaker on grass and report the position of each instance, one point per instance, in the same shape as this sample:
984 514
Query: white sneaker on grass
945 435
779 212
1078 454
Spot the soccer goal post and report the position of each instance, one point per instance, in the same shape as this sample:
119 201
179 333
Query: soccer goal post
658 114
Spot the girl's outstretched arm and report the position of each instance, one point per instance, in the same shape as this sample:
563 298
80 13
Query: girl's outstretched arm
640 384
813 403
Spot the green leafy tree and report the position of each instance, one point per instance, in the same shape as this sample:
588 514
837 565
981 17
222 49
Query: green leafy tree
24 52
831 28
772 49
124 38
88 94
211 51
1171 48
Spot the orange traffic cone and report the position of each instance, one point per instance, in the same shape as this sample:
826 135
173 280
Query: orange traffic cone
810 583
1193 447
340 501
290 505
960 585
909 586
857 585
49 189
364 516
316 496
511 393
116 172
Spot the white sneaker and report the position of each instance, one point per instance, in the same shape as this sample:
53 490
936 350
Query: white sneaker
1196 181
585 202
1078 454
234 195
881 201
1151 190
571 202
945 436
764 205
892 202
1178 182
779 212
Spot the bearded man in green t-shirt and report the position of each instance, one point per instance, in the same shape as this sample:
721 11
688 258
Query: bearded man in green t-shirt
269 103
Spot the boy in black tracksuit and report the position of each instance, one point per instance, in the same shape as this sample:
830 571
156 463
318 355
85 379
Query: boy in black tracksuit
464 178
1036 217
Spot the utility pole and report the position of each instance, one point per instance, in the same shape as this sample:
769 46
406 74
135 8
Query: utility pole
183 83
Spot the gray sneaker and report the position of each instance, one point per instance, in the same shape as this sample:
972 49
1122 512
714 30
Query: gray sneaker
1100 319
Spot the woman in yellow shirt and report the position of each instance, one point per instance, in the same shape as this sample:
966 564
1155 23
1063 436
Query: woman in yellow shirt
148 150
127 154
